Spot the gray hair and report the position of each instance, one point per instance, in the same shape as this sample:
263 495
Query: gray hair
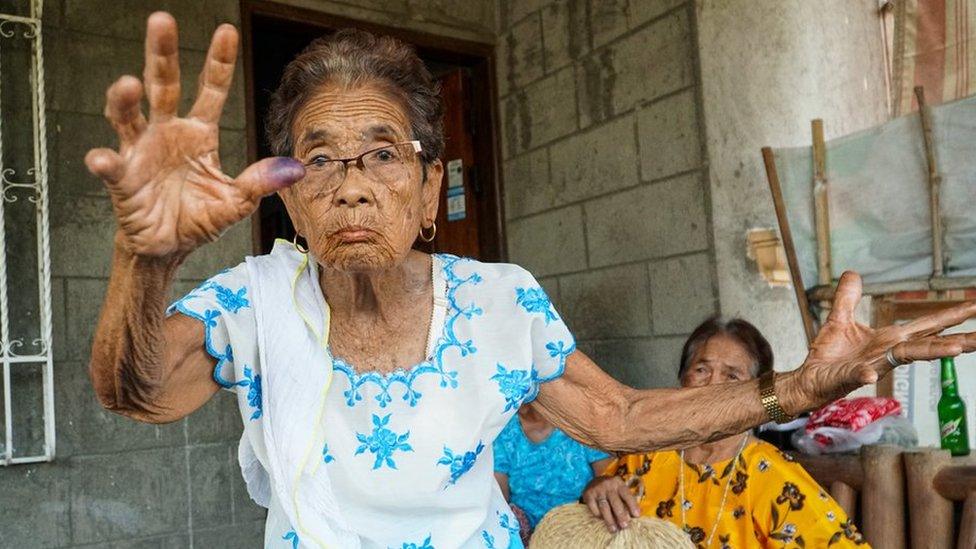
738 329
351 57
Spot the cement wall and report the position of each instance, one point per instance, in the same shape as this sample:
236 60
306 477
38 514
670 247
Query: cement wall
605 196
116 483
766 72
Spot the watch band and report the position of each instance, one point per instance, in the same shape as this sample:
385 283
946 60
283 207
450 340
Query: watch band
770 402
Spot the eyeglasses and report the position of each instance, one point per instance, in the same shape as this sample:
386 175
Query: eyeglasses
385 164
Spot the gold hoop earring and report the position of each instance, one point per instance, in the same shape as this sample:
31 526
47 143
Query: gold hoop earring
294 242
433 233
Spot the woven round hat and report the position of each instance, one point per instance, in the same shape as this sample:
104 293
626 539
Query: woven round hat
572 526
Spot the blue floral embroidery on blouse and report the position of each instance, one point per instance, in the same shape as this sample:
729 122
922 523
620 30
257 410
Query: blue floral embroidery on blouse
559 350
383 442
448 340
230 301
291 536
508 523
460 463
254 391
326 456
516 386
423 545
535 300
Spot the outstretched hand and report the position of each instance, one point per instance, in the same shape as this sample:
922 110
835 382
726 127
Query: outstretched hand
846 355
168 191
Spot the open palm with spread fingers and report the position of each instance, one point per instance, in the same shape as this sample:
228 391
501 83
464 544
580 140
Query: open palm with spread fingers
168 191
846 354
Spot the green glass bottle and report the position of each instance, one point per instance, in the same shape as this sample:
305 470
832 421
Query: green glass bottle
952 412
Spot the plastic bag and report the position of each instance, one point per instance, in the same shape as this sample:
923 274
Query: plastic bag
847 424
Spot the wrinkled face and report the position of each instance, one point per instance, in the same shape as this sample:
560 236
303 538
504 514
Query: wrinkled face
359 222
721 359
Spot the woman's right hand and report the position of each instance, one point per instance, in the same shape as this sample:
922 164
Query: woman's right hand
168 191
609 498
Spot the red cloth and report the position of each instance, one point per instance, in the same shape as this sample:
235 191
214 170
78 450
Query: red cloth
853 414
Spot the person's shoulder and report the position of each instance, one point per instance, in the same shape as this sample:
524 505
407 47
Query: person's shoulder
760 450
776 466
510 433
488 273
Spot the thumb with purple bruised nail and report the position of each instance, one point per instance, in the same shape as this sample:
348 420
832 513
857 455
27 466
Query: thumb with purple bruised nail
270 175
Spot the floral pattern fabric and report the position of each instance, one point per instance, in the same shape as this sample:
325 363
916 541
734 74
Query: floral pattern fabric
772 502
419 436
543 475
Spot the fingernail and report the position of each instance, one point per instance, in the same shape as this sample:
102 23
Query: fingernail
625 525
284 171
613 529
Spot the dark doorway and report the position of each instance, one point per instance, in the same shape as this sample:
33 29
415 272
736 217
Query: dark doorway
469 219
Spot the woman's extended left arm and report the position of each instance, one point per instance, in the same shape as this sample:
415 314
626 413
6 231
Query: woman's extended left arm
598 411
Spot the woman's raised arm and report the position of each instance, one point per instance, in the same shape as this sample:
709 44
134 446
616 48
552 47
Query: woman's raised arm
593 408
169 196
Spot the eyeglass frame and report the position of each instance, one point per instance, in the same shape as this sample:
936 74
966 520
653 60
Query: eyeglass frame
359 158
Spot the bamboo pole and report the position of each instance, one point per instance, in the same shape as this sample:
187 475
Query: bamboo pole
931 513
935 184
784 230
821 214
882 514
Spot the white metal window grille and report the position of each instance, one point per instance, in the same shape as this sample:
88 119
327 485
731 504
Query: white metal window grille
25 264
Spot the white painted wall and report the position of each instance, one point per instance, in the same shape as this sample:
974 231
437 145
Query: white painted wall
767 68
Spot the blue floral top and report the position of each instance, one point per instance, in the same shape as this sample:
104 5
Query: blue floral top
546 474
349 458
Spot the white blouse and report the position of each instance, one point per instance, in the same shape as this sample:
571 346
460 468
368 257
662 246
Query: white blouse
345 458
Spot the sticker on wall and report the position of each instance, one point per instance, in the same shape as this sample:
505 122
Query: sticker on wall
455 173
455 203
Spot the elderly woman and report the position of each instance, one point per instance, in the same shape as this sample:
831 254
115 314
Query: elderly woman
733 492
372 378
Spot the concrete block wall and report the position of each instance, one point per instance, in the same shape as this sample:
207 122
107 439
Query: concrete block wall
606 195
116 483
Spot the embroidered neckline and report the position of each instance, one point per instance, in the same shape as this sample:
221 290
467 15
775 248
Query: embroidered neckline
433 364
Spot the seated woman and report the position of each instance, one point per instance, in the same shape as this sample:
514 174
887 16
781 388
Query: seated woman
733 492
539 467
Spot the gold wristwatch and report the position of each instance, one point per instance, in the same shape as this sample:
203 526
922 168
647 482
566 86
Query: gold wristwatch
770 402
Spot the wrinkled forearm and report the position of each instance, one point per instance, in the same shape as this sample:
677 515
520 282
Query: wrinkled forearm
128 365
679 418
595 409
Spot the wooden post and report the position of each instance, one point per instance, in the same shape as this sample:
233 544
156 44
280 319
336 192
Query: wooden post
845 496
882 515
930 512
957 482
935 184
784 230
821 214
967 530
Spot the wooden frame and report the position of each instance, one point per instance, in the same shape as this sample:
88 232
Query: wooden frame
478 57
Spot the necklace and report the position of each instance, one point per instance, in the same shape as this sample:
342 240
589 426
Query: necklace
725 493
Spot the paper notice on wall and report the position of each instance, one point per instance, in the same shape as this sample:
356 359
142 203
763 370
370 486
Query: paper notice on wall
918 388
455 204
455 173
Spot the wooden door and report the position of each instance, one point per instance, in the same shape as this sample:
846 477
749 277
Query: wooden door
457 216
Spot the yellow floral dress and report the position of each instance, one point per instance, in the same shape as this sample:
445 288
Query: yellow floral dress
772 502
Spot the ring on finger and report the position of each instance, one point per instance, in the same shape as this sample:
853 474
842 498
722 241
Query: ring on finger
601 500
890 357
